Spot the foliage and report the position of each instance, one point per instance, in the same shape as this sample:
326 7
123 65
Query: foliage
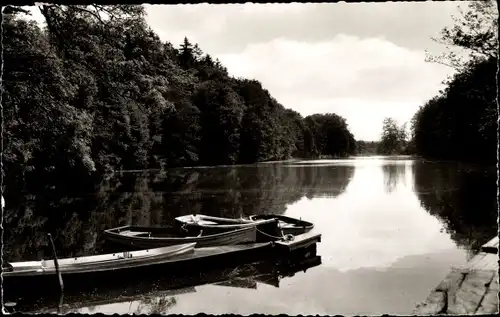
330 135
96 91
475 32
367 147
394 137
461 122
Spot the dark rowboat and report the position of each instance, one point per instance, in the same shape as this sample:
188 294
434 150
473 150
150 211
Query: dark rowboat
97 263
288 225
148 237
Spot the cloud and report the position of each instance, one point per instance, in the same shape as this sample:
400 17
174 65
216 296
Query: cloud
363 80
229 28
363 61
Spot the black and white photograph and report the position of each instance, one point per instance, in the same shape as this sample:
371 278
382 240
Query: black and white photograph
324 158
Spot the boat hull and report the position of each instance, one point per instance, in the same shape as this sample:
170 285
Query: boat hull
179 265
98 263
125 236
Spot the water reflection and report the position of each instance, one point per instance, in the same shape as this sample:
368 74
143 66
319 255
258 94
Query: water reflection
394 176
462 197
156 198
392 228
159 294
375 222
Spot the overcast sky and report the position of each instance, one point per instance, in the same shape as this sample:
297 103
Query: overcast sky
363 61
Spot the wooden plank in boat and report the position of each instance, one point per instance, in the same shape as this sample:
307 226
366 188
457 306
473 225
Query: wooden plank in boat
205 222
130 233
219 219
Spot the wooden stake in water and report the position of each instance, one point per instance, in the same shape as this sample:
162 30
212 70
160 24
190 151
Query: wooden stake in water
61 302
56 264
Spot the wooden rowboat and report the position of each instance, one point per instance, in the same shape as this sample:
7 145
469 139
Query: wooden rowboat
288 225
138 288
147 237
187 263
267 229
97 263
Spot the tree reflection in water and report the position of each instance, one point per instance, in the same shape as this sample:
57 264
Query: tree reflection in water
394 175
462 197
156 305
156 198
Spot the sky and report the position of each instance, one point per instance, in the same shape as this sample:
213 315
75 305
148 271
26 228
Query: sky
362 61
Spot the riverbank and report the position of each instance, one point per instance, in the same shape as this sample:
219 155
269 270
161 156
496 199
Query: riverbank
472 289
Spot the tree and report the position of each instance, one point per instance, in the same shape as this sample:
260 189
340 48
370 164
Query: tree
221 115
331 135
393 137
46 136
187 55
475 32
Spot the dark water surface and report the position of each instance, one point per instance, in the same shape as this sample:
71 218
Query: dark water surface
392 228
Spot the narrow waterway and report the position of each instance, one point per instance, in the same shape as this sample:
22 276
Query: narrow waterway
392 228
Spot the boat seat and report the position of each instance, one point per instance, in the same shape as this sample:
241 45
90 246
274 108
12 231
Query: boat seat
206 222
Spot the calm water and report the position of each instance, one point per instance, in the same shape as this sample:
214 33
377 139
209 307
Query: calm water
392 229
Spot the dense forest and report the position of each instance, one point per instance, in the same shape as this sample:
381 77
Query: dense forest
96 91
460 123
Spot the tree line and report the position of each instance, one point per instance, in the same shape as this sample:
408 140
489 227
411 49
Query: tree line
460 123
96 90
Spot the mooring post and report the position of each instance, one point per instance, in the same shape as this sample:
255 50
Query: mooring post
56 264
61 303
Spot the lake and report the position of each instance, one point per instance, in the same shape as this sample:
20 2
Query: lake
392 227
